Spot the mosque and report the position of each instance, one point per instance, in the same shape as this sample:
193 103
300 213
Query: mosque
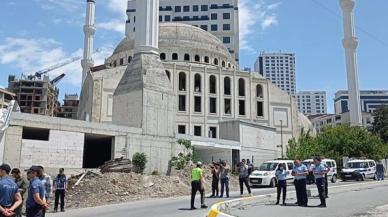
166 81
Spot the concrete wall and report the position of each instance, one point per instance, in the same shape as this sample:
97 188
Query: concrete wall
12 146
207 156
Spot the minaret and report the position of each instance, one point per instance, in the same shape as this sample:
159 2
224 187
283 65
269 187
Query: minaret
89 30
144 97
350 43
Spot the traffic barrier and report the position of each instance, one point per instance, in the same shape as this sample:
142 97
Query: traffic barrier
218 209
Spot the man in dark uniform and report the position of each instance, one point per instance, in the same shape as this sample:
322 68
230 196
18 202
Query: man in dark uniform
319 172
22 184
10 198
36 203
300 172
197 184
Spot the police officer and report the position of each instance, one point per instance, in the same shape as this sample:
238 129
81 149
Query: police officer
10 198
319 172
197 184
300 172
281 176
60 188
36 203
22 184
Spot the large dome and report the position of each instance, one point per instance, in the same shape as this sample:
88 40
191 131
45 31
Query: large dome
186 41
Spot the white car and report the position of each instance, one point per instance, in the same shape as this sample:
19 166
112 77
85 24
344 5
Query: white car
359 170
265 175
332 174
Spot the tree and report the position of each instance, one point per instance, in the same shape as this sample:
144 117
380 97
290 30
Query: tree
139 161
380 123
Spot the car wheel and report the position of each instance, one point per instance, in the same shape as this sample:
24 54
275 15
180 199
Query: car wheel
362 178
334 179
272 183
344 180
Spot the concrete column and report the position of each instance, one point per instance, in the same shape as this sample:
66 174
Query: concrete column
89 30
147 26
350 43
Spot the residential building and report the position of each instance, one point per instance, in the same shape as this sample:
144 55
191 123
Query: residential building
5 98
312 102
69 109
219 17
320 121
370 100
278 68
37 96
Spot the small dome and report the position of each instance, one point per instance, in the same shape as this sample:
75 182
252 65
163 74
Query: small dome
127 44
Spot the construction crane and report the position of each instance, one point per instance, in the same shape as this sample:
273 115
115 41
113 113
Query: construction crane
57 79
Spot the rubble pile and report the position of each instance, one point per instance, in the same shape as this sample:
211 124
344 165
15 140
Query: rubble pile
119 165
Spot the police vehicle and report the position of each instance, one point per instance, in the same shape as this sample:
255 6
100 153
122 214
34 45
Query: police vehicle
359 170
265 174
332 174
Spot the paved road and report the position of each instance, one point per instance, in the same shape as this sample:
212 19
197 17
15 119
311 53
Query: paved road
174 207
366 200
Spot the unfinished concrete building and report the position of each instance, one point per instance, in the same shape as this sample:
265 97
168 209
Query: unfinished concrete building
35 96
69 108
5 98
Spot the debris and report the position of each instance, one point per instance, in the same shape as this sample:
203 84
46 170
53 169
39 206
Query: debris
118 165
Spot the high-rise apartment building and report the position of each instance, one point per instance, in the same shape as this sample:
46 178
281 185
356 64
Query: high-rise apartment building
312 102
219 17
370 100
279 68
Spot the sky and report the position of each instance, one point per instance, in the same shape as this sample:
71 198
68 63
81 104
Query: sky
35 34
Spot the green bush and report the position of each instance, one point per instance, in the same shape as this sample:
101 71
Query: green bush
139 161
155 173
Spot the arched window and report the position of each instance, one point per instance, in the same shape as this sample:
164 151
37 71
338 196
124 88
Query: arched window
197 83
206 59
168 75
129 59
229 65
174 56
196 58
182 81
212 84
226 86
187 57
241 87
259 91
223 63
215 61
162 56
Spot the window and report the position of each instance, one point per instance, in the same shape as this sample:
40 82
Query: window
227 86
121 61
226 27
162 56
36 134
214 27
212 105
259 109
177 8
182 129
259 91
168 75
160 18
241 107
213 132
227 104
197 104
212 84
241 87
174 56
187 57
215 61
197 58
167 18
197 131
115 63
197 83
223 63
182 81
213 16
186 8
204 7
195 8
226 40
182 103
204 27
226 16
206 59
129 59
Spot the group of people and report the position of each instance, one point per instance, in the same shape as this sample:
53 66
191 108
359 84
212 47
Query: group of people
300 172
37 184
220 175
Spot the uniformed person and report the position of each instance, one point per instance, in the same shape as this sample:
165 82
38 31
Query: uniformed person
22 184
197 184
281 176
243 177
10 198
300 172
36 203
319 172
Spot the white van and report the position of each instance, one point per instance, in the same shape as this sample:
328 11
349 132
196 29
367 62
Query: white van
359 170
332 174
265 174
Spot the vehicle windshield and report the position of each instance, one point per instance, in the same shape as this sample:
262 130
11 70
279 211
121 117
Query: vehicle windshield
307 164
355 165
268 166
